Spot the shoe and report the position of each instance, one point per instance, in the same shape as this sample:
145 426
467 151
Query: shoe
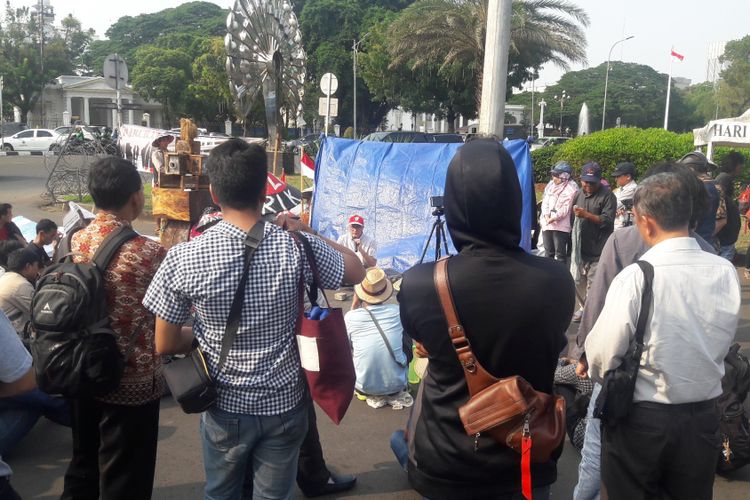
336 484
359 395
577 316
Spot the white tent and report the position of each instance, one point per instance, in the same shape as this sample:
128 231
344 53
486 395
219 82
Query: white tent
733 132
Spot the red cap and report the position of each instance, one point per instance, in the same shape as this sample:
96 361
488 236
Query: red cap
356 219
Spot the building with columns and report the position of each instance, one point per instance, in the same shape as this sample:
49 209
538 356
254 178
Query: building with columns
88 99
401 119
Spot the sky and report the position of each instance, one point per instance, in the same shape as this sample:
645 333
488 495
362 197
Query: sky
690 26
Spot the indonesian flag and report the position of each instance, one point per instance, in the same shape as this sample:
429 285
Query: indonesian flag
678 56
307 165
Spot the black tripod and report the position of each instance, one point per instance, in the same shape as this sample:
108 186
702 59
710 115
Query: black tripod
438 229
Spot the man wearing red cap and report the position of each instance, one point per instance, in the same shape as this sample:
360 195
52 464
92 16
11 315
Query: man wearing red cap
362 245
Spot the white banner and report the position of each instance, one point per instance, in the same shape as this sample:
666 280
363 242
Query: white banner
135 144
725 132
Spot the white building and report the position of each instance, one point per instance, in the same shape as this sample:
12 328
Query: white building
400 119
88 99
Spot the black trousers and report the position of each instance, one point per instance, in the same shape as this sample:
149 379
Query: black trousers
114 451
662 451
555 244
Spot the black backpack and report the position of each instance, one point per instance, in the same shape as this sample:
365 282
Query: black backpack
733 424
74 348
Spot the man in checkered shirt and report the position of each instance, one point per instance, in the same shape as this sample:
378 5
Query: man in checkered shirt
260 418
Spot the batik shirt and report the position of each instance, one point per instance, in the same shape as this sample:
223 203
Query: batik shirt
125 282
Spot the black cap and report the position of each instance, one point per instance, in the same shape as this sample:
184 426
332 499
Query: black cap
624 168
697 161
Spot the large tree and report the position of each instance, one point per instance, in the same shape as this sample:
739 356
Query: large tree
163 75
445 91
636 95
329 29
734 87
452 33
21 64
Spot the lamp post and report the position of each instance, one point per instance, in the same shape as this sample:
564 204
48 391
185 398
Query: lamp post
561 99
606 78
355 48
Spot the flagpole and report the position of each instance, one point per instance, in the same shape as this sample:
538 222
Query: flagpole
669 91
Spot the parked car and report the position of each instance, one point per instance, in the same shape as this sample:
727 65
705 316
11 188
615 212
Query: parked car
548 141
447 138
11 128
39 139
399 136
302 142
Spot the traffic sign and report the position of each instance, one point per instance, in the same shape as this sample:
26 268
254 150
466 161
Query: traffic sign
329 81
323 106
115 72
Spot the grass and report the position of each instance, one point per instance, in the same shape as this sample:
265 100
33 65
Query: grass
88 200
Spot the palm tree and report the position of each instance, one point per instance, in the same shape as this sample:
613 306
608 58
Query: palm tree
451 33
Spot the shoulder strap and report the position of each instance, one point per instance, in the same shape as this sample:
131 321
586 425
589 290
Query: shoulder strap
111 244
477 377
385 339
647 294
310 256
253 240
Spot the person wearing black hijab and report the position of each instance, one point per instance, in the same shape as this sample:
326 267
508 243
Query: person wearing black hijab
515 308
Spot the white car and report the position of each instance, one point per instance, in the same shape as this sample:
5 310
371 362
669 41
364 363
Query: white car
38 139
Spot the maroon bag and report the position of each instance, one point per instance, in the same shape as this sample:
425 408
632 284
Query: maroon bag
325 353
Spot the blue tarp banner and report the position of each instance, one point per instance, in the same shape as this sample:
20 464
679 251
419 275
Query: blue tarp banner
390 185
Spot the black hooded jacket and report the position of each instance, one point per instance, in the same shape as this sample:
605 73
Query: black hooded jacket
515 308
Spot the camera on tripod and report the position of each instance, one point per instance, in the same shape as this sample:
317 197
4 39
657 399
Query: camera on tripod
436 202
438 230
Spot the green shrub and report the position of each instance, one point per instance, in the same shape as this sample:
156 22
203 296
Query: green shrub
542 161
642 147
348 133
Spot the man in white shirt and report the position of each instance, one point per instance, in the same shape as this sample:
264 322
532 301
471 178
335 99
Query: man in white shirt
17 286
624 175
669 444
361 244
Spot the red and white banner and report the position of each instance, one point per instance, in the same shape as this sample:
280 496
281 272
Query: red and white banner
307 165
678 56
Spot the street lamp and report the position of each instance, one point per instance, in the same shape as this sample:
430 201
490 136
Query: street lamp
606 78
355 48
561 99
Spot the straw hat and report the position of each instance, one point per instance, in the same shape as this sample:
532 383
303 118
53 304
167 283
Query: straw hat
155 143
376 288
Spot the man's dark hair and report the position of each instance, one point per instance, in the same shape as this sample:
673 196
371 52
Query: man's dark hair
6 247
19 259
666 198
238 173
46 226
694 185
4 207
731 161
112 181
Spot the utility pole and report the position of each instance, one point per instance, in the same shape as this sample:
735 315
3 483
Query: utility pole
495 69
1 108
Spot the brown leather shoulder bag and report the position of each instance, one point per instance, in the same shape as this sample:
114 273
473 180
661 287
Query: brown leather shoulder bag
508 409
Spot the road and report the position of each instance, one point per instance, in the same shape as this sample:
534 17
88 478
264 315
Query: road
358 446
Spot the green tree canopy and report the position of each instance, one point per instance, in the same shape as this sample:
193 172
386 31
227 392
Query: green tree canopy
162 75
452 33
734 87
21 60
636 95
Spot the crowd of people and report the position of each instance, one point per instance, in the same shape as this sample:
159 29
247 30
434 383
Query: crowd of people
514 309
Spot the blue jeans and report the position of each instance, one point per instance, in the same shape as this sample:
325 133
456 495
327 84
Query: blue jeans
19 414
589 470
400 448
266 445
728 252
